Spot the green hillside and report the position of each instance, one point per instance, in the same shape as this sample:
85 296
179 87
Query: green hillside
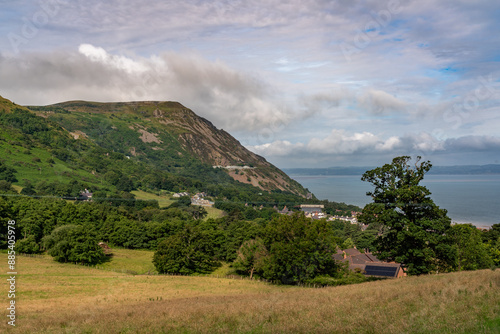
169 137
115 148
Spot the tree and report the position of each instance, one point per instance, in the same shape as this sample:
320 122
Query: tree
74 243
7 173
414 228
491 238
28 190
6 215
27 245
299 249
250 256
471 253
186 252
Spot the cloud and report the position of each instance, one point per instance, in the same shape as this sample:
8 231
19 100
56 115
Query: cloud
474 143
339 142
365 148
99 55
231 99
379 102
278 148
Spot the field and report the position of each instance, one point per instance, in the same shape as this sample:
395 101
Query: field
163 200
66 298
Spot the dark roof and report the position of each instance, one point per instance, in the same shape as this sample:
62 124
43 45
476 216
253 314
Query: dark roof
372 257
383 269
338 257
360 259
368 263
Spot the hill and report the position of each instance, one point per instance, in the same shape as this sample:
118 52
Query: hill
168 136
64 148
66 298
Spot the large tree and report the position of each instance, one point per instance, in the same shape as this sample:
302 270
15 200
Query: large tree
414 229
187 252
74 243
299 249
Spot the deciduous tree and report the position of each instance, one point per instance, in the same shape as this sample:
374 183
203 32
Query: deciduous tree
74 243
299 249
414 227
186 252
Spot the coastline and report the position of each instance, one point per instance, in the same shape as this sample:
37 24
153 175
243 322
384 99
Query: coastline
469 199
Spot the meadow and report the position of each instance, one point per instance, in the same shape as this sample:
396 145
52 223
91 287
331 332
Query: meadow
67 298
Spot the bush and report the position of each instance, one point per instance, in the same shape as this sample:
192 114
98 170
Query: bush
7 173
28 245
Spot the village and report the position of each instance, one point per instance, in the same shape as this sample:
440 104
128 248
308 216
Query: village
313 211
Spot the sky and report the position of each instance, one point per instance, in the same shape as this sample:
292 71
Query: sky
303 83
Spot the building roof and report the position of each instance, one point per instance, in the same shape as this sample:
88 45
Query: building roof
368 263
382 269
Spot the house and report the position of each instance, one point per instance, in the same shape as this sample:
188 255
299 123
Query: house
369 264
285 210
310 209
85 196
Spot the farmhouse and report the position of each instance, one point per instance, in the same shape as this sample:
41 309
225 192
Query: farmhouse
368 264
85 195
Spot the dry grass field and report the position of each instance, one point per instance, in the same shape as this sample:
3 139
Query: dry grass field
66 298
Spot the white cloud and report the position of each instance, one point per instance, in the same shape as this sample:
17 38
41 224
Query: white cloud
99 55
341 143
230 99
338 142
278 148
380 102
391 144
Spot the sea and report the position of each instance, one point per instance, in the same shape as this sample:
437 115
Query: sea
473 199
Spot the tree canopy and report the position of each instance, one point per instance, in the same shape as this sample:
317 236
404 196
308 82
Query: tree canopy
299 249
187 252
414 229
74 243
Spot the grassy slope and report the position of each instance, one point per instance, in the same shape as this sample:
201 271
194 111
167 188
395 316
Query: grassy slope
63 298
163 200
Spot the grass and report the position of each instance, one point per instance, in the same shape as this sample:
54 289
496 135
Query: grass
33 165
213 213
66 298
130 261
163 200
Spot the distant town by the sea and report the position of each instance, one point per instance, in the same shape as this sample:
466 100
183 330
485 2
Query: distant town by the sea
471 199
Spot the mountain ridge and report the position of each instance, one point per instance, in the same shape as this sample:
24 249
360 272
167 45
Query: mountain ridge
164 135
197 135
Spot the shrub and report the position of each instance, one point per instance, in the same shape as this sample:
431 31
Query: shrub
28 245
